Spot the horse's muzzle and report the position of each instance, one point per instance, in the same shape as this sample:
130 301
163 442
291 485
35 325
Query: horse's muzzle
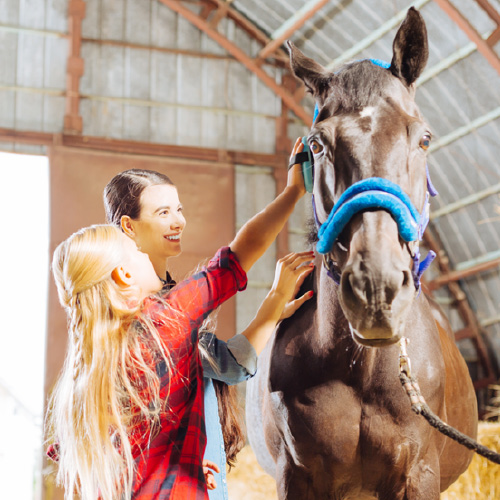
376 302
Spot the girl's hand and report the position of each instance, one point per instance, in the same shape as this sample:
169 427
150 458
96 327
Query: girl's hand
291 272
209 475
295 177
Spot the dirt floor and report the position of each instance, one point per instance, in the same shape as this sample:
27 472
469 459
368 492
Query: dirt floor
247 481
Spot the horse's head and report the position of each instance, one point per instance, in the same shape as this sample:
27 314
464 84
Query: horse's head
369 134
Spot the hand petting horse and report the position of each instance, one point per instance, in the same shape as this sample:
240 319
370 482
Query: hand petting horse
326 413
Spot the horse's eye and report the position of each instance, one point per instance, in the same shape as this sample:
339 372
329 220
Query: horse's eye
425 142
316 147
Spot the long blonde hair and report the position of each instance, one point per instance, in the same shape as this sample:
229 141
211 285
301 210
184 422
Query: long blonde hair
96 401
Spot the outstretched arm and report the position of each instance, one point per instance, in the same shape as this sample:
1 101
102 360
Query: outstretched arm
254 238
279 302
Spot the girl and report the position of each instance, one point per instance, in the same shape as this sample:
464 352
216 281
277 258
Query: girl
145 204
127 410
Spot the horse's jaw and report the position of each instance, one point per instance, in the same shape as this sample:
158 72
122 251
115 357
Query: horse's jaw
374 338
376 325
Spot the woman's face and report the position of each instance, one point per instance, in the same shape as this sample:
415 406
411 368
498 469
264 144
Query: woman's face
158 229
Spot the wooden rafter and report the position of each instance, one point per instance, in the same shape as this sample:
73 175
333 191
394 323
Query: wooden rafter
483 46
204 25
293 25
451 276
277 161
72 120
243 23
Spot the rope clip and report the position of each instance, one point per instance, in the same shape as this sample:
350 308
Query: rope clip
404 359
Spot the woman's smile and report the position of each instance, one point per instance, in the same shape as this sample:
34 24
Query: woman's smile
174 237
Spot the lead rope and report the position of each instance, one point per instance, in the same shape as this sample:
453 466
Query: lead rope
420 407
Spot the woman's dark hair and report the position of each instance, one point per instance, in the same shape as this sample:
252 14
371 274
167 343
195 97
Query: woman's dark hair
231 420
122 195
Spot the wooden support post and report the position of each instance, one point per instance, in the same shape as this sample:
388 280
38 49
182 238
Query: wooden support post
72 120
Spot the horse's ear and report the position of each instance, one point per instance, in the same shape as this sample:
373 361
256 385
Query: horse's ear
410 48
315 77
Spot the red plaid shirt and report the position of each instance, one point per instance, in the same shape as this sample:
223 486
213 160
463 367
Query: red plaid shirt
170 466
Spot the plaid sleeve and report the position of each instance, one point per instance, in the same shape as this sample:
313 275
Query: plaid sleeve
197 296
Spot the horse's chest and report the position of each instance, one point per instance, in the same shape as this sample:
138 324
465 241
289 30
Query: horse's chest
332 421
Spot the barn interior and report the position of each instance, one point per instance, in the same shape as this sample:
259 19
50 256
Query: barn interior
202 90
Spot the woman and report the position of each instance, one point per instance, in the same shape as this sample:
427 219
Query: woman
145 204
127 410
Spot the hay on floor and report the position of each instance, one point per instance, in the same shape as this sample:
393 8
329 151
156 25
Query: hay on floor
481 481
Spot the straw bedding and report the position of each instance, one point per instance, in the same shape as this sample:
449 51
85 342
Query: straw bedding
247 481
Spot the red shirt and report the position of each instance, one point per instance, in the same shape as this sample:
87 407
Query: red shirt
170 466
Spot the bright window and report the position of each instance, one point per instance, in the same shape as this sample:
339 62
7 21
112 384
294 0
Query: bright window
24 212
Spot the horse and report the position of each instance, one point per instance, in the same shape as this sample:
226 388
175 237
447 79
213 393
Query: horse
327 416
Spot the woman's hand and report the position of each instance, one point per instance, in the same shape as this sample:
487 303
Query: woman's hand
209 475
295 177
280 302
291 272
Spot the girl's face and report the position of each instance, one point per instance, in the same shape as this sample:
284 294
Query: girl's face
137 271
159 228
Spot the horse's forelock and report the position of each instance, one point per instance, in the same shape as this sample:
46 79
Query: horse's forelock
355 86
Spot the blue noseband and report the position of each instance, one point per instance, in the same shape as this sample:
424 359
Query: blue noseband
373 193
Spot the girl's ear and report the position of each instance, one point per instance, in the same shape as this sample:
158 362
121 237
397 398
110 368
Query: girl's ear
121 277
127 225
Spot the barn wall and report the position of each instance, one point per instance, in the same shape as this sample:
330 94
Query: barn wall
149 92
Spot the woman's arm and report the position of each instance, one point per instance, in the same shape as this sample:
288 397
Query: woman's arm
226 273
254 238
230 362
279 304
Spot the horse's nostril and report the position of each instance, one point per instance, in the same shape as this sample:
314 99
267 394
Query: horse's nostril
407 279
353 290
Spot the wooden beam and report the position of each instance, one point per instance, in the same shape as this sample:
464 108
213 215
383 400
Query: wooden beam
73 123
494 38
482 45
241 21
493 14
152 48
464 333
447 278
277 161
219 14
465 311
243 58
291 26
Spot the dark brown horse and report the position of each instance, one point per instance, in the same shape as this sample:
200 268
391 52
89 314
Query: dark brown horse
326 413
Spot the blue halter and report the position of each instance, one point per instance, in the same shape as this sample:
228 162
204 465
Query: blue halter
373 193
